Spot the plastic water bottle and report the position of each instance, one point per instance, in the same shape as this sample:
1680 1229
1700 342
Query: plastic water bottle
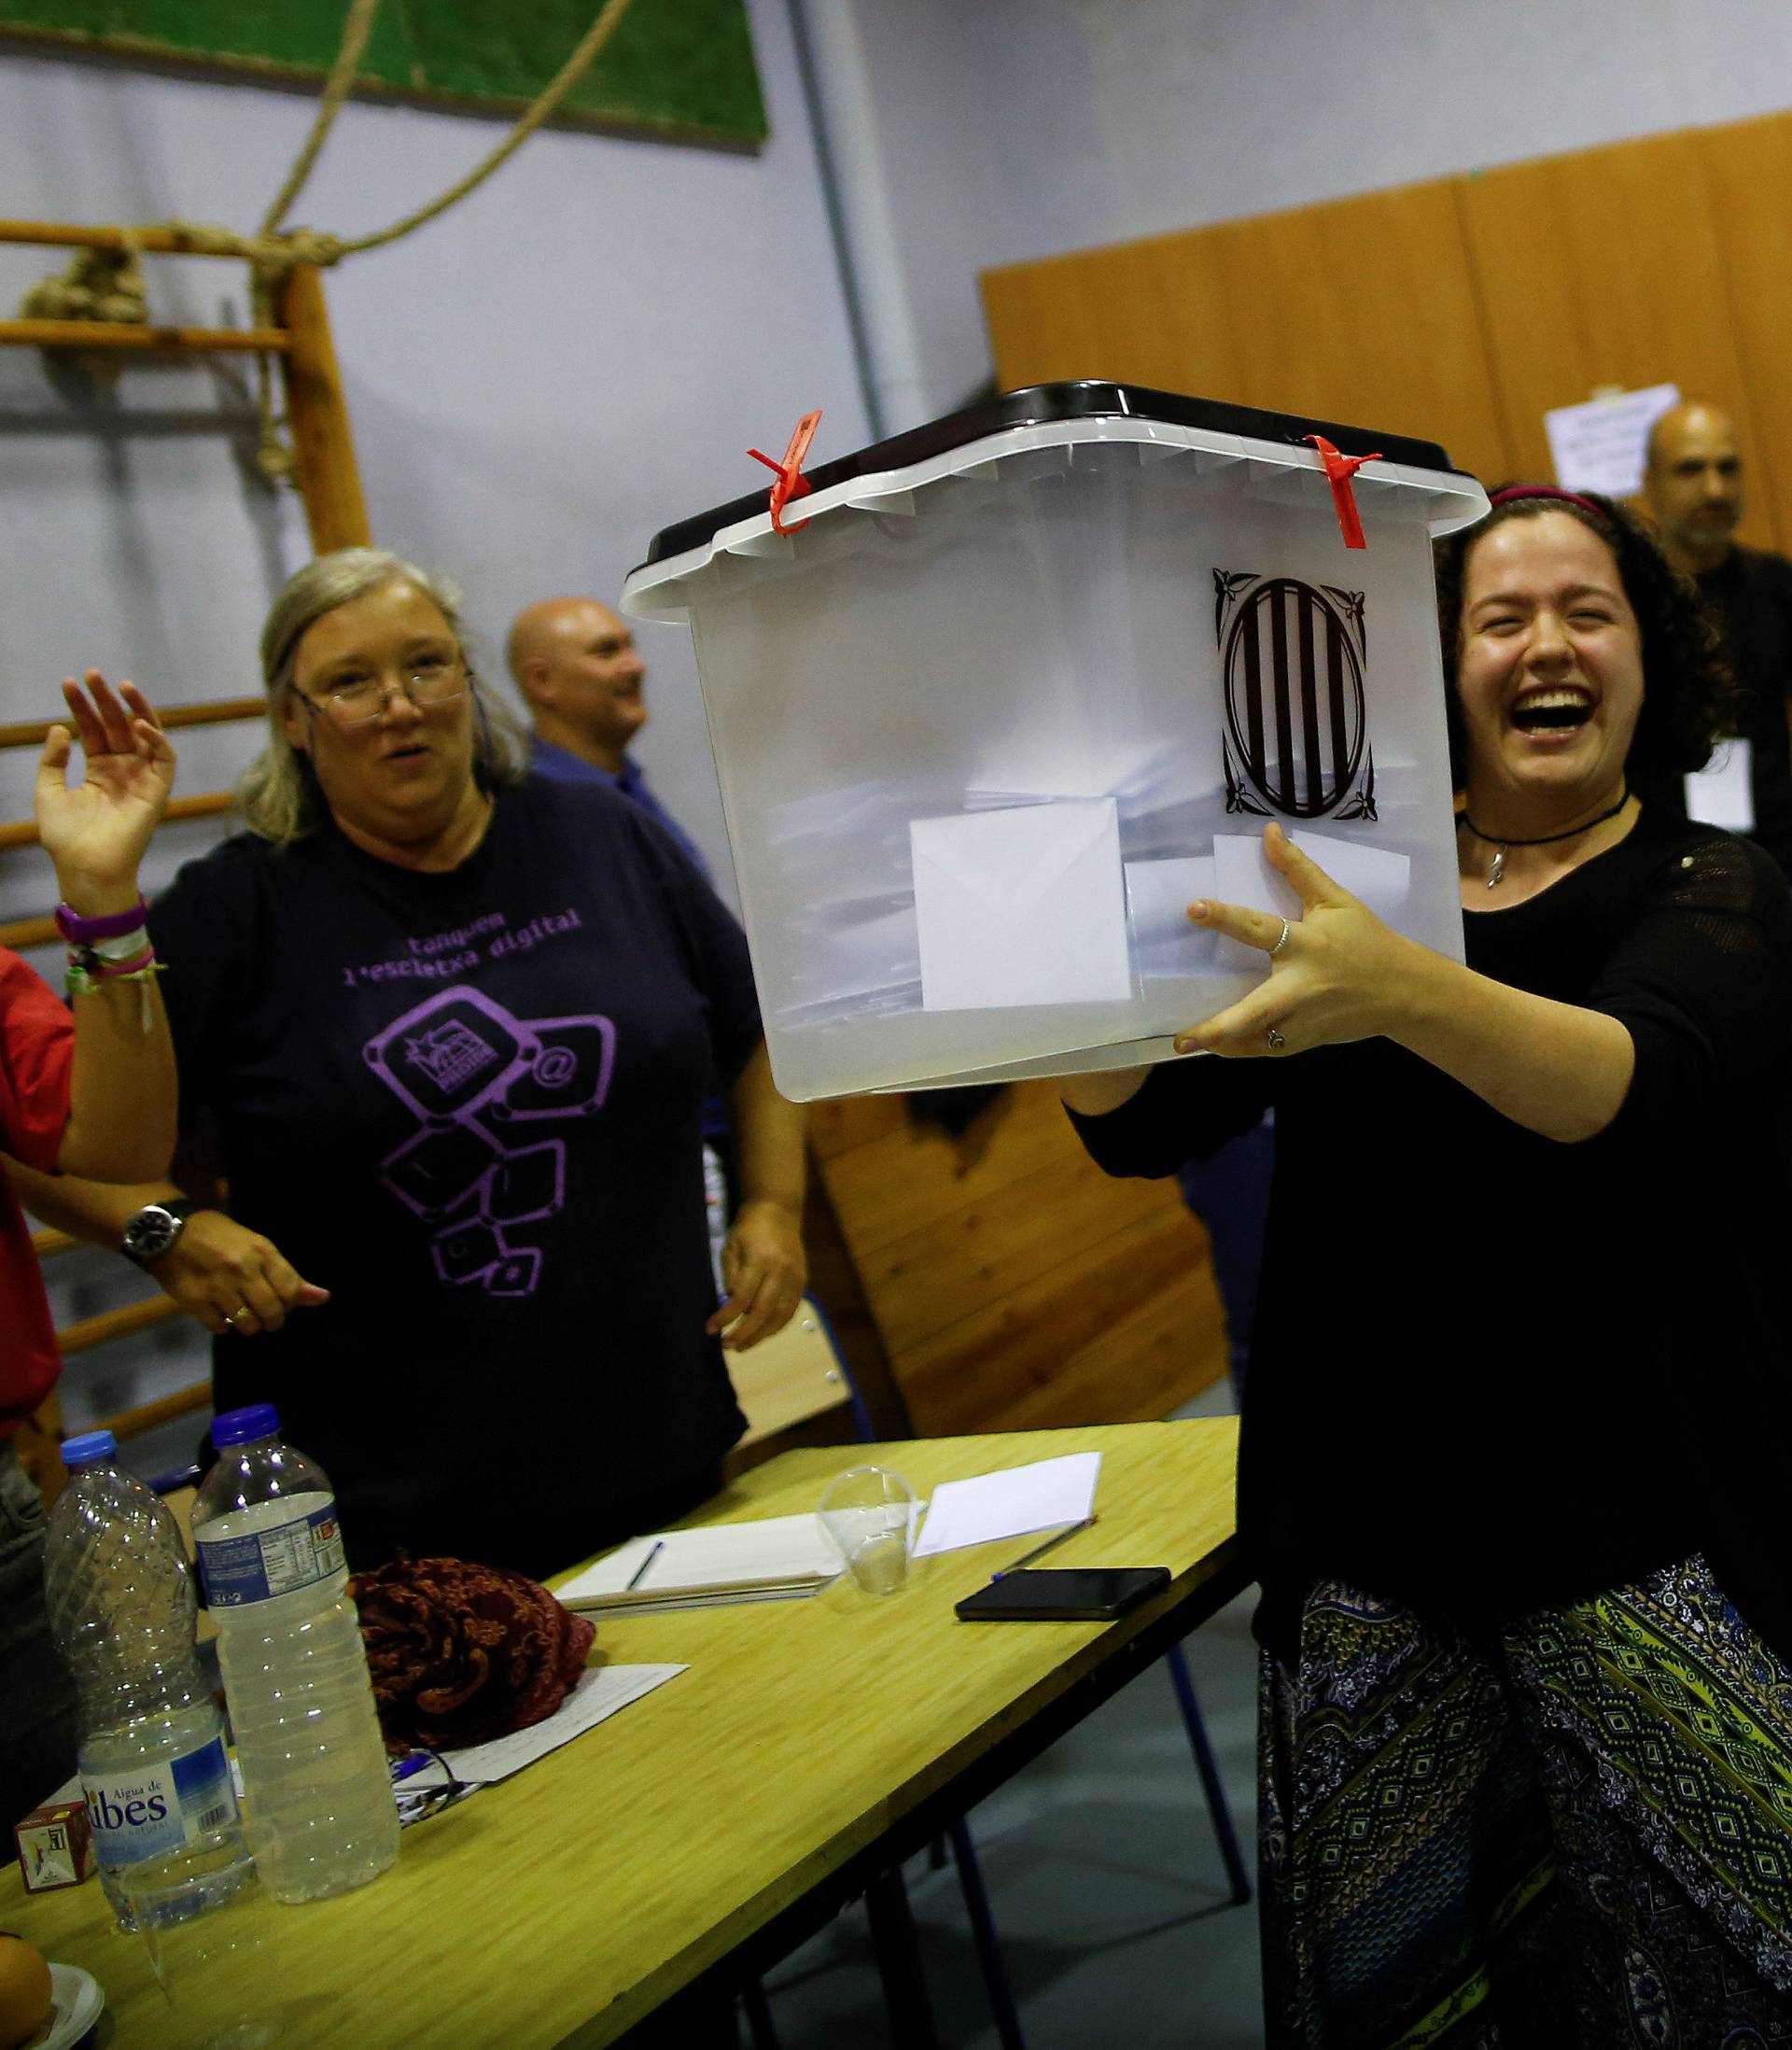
158 1783
316 1782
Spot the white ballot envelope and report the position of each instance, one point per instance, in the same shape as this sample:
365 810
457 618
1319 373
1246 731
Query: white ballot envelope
1243 875
1024 906
1165 940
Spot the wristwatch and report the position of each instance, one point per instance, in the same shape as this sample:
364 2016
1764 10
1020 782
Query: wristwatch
154 1230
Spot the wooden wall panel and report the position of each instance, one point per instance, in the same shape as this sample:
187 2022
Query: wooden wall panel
1464 309
1014 1285
1747 168
1027 1355
1363 310
1605 268
1148 313
1360 309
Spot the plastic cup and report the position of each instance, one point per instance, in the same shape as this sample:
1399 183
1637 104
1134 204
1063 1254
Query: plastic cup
214 1968
869 1513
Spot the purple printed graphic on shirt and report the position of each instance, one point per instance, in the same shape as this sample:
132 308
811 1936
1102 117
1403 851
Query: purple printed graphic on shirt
470 1073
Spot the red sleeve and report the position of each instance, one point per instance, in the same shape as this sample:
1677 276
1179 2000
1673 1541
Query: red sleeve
36 1055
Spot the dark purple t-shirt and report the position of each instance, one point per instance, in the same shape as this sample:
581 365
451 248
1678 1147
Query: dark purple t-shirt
468 1104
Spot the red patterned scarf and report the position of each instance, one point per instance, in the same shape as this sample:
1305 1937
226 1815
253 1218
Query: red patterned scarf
460 1654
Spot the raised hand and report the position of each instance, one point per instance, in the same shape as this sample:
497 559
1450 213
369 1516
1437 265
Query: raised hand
96 831
1337 974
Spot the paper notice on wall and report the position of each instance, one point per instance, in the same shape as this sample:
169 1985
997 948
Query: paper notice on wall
1722 793
1601 445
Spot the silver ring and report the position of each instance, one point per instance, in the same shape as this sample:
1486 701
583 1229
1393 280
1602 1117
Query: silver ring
1281 942
242 1310
1276 1042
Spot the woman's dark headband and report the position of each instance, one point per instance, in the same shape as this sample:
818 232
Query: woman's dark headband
1552 491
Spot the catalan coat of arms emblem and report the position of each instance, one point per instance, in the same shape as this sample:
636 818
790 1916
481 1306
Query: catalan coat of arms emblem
1296 740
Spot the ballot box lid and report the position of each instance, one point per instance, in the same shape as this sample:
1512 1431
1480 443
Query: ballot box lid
1052 405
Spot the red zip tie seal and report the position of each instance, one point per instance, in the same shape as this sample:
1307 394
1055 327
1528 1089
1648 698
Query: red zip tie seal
792 483
1339 470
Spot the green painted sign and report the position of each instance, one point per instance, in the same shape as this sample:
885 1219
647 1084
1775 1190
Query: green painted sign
682 68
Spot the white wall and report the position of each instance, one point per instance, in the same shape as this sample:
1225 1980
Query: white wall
971 136
968 137
537 381
577 354
1212 109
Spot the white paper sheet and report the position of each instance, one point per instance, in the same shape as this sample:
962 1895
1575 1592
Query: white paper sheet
601 1692
1158 896
1010 1504
1021 906
1722 793
1243 875
775 1547
1601 445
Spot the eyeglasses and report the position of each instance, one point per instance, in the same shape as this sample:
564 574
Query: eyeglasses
430 681
417 1801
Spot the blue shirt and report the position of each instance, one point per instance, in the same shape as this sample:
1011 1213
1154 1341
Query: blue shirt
550 760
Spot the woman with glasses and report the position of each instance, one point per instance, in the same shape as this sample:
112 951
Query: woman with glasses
450 1027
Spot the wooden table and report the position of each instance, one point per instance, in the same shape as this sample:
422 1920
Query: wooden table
708 1828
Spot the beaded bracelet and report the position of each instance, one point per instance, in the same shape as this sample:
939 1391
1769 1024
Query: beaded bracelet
89 971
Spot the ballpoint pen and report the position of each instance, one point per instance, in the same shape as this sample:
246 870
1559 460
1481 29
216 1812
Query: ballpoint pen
639 1573
1039 1551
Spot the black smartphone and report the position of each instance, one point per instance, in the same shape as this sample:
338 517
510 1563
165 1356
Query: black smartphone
1063 1594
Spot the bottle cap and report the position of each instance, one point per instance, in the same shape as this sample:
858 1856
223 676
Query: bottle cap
238 1426
92 1445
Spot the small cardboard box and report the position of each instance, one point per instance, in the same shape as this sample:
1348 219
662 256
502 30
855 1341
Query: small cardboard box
55 1847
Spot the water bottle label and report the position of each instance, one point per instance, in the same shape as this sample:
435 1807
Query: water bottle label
260 1565
161 1809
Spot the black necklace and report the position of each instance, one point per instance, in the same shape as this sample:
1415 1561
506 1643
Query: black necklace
1497 873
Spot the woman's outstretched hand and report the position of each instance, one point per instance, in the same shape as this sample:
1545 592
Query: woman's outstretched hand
1340 974
96 831
232 1279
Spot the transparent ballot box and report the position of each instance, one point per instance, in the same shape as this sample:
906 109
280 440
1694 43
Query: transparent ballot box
1027 681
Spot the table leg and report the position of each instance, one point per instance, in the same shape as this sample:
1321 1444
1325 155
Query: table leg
1238 1874
758 2011
983 1930
899 1963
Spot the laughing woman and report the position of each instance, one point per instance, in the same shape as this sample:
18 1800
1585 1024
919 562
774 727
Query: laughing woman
1516 1409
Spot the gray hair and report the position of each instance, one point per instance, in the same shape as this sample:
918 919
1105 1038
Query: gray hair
278 794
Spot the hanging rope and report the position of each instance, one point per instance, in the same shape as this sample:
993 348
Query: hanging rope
280 249
104 285
337 87
98 285
274 456
113 279
584 57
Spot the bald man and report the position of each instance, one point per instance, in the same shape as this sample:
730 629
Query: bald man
1693 483
580 675
579 671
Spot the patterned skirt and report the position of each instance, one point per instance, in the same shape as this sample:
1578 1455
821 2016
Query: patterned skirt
1572 1832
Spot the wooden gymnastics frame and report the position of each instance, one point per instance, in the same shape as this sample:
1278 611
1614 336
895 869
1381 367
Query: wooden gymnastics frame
329 484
